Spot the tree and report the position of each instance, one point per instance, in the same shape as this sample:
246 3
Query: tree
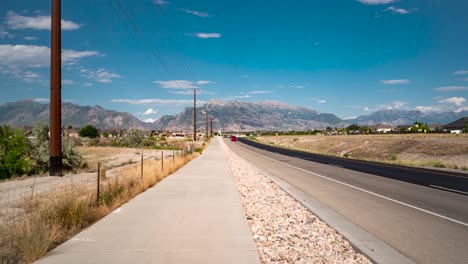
40 151
13 152
353 127
89 131
466 127
135 138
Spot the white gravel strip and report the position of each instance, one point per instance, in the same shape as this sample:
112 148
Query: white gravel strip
284 230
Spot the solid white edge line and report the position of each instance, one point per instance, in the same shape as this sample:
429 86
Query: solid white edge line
363 190
448 189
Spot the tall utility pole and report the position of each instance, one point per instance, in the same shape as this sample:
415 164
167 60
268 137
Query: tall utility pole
206 110
194 114
211 121
55 91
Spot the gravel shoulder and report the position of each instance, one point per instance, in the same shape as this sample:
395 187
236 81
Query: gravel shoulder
284 230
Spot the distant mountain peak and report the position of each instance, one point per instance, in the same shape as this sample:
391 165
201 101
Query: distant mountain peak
29 112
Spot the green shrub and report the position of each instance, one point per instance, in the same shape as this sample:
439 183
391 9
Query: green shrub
14 148
89 131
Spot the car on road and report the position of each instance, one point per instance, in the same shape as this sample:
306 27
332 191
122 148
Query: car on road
233 138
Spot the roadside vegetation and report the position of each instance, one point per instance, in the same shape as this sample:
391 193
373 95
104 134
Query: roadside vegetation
52 218
20 155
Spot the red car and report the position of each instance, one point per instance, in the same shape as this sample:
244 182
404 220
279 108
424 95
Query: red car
233 138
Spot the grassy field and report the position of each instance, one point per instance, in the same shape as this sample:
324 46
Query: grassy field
422 150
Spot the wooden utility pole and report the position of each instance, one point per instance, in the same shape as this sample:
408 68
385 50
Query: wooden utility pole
194 114
211 122
55 158
206 110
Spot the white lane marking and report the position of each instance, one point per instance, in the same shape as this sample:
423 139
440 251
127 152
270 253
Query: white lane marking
363 190
448 189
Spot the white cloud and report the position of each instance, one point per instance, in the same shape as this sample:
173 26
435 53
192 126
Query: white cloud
428 108
393 82
70 101
244 76
101 75
451 89
205 82
67 82
88 84
394 10
149 111
461 72
395 105
155 101
458 101
463 108
30 38
321 101
177 84
40 22
182 84
376 2
194 12
160 2
297 86
150 120
36 56
465 79
41 100
258 92
236 97
30 75
206 35
5 34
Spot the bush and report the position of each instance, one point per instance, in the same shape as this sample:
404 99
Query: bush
40 151
13 152
89 131
134 138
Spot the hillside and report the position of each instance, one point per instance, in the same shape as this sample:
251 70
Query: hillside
28 113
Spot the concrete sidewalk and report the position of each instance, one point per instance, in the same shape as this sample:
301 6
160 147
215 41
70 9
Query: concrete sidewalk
193 216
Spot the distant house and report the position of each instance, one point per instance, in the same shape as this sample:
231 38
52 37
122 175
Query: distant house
110 133
457 127
403 128
435 127
71 132
382 128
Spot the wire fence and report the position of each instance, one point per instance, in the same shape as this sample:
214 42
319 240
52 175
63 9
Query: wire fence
19 198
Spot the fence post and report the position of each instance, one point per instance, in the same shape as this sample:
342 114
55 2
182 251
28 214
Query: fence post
98 180
141 165
173 154
162 161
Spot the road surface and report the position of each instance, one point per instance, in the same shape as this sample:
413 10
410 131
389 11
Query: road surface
426 224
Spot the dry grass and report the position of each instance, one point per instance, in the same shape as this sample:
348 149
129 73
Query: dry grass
53 218
426 150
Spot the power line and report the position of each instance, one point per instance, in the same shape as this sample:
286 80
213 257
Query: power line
165 64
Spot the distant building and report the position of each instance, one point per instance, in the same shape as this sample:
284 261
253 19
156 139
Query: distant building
382 128
71 132
436 127
457 127
110 133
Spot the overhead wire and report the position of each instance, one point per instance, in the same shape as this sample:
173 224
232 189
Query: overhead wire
168 67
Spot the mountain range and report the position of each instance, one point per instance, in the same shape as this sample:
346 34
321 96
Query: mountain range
29 112
227 116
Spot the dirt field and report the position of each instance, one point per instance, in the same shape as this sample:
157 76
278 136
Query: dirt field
426 150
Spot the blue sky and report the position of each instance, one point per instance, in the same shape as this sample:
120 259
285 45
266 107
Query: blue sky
348 57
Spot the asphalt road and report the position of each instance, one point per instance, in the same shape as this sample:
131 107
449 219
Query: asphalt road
426 224
458 182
